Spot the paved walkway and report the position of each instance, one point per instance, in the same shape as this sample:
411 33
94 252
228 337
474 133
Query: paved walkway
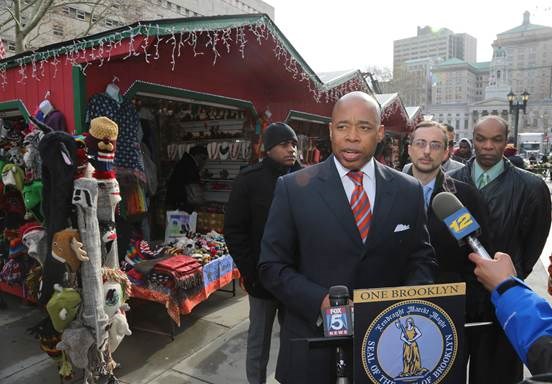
209 347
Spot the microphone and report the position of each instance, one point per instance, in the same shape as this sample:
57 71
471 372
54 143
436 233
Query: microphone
337 318
460 223
339 295
337 322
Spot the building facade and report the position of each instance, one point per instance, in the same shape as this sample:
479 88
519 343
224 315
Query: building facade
522 61
75 20
442 43
414 58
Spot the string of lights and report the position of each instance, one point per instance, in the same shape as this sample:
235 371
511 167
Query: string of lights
86 52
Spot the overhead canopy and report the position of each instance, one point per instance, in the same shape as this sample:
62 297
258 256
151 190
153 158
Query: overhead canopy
243 57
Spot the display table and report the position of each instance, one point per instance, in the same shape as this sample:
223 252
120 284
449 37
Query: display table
216 274
15 290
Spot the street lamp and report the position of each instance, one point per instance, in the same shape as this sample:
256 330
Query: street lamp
516 103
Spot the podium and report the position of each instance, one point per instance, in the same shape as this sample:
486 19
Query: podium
411 334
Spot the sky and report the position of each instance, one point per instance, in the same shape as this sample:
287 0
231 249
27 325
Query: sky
356 34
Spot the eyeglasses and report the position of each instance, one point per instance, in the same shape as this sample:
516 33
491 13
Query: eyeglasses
433 145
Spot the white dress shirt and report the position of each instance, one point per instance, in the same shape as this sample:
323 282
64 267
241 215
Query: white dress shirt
368 180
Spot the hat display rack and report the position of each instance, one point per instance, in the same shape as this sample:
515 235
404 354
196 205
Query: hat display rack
57 252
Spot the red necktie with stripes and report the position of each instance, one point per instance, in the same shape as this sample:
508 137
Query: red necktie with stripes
360 205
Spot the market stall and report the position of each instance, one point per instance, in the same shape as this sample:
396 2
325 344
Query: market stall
170 86
397 128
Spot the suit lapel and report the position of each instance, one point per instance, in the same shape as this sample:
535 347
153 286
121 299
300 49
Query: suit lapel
332 192
385 197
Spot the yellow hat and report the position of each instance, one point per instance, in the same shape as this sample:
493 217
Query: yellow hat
103 128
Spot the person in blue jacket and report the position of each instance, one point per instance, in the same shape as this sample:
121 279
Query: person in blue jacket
525 316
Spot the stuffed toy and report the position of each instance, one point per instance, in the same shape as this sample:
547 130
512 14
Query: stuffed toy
113 297
101 143
63 307
31 158
82 157
76 340
58 154
67 248
32 196
13 175
33 237
15 156
117 289
17 248
119 329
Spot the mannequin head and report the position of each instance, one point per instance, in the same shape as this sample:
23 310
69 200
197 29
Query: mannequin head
46 107
113 91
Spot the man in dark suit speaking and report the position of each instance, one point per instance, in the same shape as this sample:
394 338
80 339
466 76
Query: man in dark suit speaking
347 221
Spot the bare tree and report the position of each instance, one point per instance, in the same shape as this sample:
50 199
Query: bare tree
380 73
26 16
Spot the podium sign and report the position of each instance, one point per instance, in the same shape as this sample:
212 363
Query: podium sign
409 334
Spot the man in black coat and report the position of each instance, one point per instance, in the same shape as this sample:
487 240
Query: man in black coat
244 222
427 149
519 215
346 221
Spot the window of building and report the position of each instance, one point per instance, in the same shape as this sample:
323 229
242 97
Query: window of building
58 30
80 14
11 46
108 23
66 10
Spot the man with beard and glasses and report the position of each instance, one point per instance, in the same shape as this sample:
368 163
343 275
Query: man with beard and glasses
427 150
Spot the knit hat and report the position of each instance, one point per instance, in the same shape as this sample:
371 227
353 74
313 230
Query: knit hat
67 248
102 142
33 236
76 340
63 307
276 133
28 228
119 329
32 194
13 175
82 155
17 248
12 202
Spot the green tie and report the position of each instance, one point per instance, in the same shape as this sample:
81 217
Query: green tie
483 180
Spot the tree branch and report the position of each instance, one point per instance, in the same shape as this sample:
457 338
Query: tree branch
100 17
41 11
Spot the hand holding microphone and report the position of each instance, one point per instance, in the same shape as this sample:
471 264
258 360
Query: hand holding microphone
459 221
493 272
